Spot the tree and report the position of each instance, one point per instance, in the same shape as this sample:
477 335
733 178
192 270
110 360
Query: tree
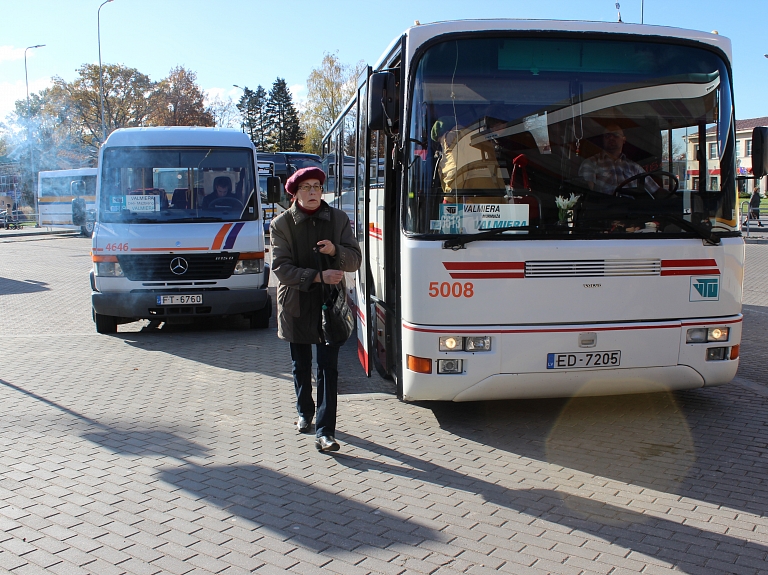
223 112
329 88
284 133
130 100
252 106
180 101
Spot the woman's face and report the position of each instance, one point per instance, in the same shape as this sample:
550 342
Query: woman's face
309 193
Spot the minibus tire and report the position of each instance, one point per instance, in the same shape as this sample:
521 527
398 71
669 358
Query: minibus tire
87 229
260 319
105 323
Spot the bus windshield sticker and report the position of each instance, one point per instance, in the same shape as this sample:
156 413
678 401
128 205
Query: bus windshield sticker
473 218
142 203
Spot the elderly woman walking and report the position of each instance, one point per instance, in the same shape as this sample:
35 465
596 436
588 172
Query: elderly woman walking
309 239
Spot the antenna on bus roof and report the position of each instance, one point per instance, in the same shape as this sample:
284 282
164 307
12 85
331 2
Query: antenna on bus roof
618 9
416 23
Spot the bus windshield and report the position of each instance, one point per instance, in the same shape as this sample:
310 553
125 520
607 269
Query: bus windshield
570 138
152 185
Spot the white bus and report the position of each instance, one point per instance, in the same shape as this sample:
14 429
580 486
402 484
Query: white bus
67 198
509 250
181 231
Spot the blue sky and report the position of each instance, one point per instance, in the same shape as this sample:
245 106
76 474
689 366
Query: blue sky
251 42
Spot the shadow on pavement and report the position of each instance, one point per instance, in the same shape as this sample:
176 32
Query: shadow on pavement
14 287
619 525
668 442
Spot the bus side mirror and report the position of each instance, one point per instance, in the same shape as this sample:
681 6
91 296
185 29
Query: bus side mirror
760 152
273 189
382 101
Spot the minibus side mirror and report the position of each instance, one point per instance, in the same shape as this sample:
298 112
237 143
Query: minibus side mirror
273 189
760 152
382 101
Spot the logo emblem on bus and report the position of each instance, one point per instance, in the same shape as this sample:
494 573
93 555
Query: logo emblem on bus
179 266
705 289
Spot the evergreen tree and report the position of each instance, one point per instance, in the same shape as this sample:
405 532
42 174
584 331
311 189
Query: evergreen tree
284 133
252 106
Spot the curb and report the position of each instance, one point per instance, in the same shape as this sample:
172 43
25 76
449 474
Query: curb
38 233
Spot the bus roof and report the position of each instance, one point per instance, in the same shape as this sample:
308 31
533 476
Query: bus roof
417 35
178 136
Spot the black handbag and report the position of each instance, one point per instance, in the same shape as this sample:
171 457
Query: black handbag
337 322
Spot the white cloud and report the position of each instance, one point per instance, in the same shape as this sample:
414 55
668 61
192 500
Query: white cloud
9 53
299 94
10 92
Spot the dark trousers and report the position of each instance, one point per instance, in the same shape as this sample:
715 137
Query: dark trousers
327 384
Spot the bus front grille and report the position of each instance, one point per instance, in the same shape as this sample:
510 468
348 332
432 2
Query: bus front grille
154 267
592 268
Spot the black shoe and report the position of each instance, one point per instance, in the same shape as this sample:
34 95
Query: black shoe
326 443
303 424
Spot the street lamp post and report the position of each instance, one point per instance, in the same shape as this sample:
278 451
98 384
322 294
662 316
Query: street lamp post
242 124
29 139
101 81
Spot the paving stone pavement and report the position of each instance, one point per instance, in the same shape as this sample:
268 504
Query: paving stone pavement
173 451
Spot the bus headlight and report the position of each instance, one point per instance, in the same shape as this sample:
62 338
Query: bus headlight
705 335
249 263
109 269
451 343
482 343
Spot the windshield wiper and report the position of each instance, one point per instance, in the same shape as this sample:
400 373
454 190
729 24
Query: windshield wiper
459 241
703 233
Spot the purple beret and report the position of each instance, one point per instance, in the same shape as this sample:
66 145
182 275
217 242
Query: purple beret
292 185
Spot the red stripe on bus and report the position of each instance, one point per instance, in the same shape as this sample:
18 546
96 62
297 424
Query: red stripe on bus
484 265
688 263
486 276
689 272
219 239
362 356
173 249
554 330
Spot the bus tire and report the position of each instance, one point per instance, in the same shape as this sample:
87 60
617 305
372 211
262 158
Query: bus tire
87 229
260 319
105 323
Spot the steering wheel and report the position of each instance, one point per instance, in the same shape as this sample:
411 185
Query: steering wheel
622 187
226 202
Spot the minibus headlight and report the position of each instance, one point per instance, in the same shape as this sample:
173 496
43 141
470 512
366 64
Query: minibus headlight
481 343
704 334
248 266
109 269
451 343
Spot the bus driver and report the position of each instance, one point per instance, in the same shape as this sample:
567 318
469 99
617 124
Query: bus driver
606 170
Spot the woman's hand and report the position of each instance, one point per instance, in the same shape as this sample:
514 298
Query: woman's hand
326 247
331 277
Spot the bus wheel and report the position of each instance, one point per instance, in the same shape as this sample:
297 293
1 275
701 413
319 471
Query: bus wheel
260 319
87 229
105 323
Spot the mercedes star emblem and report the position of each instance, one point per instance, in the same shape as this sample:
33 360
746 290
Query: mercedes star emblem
179 266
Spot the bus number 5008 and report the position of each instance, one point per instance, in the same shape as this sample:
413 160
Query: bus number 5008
455 289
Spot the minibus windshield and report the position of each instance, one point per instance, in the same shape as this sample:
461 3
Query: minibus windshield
154 185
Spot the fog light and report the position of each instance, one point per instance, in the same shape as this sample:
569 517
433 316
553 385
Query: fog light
716 353
481 343
450 366
451 343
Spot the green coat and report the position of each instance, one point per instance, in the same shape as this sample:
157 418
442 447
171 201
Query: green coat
299 299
